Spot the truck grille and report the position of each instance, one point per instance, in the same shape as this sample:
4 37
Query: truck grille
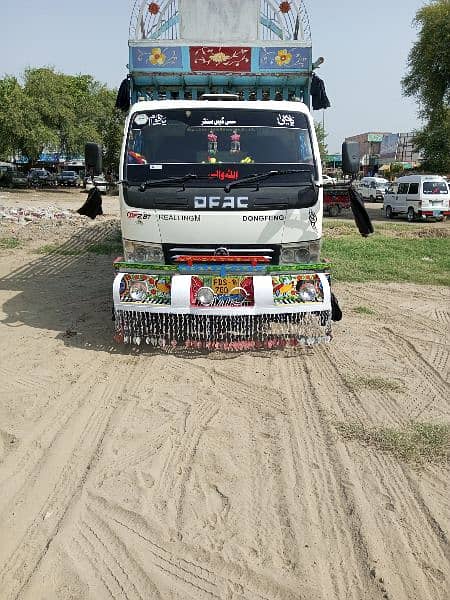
172 251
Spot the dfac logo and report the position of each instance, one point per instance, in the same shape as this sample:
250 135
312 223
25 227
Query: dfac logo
227 202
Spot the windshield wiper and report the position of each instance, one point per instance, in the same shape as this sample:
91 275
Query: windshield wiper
163 182
257 177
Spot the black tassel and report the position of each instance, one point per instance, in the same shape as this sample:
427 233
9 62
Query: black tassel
336 312
360 214
93 206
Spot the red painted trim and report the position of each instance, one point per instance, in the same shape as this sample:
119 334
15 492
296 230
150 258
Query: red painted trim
220 58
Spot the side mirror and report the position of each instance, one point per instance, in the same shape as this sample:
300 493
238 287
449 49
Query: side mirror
350 158
93 158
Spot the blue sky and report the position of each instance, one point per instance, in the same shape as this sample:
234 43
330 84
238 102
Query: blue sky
365 45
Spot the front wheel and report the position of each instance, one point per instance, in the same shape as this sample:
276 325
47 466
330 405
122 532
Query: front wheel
389 214
410 214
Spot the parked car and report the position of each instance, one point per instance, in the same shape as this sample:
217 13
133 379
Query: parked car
13 178
372 189
328 180
68 178
40 177
418 197
100 183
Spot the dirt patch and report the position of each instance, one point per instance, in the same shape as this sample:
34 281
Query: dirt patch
139 474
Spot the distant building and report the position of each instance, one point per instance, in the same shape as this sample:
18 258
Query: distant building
369 143
399 148
379 149
369 149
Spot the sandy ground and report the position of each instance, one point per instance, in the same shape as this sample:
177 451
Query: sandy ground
146 475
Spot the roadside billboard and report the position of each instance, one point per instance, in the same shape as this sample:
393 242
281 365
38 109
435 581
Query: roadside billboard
389 145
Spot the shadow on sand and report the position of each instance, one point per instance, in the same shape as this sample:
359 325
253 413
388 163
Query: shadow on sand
69 291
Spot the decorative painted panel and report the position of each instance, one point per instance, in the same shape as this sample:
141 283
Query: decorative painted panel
220 58
285 59
157 58
145 289
297 289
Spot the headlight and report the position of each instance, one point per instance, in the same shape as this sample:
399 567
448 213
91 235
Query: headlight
138 291
307 292
302 252
205 296
143 252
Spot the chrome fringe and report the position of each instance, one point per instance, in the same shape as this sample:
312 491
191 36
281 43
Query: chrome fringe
228 333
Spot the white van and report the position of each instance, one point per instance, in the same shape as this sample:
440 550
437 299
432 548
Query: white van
418 197
373 188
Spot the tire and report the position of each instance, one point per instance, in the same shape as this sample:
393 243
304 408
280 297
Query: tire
410 214
334 210
389 213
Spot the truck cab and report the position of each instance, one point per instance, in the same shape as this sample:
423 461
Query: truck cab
221 174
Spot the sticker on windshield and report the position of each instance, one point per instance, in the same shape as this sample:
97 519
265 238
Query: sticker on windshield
141 119
285 120
158 119
217 122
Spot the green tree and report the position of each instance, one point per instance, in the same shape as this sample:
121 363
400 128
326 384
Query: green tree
109 123
428 81
321 138
21 128
396 169
59 112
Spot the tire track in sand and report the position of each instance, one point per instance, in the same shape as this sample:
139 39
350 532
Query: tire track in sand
12 378
394 517
431 379
321 513
35 514
174 564
25 463
169 487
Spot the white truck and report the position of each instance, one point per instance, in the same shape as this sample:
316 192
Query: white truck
221 182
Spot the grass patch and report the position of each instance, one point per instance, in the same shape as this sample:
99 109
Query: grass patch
416 442
389 259
100 248
363 310
373 383
336 228
60 250
106 248
9 243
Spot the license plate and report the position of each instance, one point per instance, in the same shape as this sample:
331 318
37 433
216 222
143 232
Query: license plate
228 291
226 286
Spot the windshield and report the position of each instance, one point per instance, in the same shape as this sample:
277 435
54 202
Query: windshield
435 187
381 185
233 140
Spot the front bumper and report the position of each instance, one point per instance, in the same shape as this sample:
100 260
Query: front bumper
438 213
172 293
273 314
